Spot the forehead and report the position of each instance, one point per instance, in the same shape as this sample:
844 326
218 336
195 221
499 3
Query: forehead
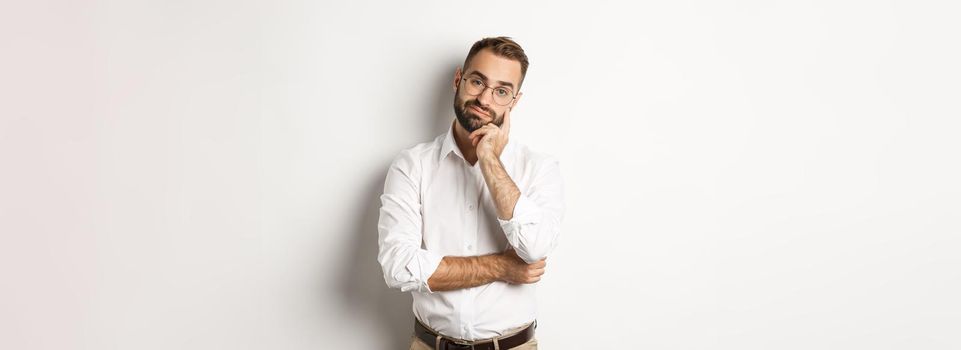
495 68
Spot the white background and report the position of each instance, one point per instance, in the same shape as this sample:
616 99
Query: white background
740 175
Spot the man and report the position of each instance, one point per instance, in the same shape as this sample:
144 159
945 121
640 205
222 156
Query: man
468 219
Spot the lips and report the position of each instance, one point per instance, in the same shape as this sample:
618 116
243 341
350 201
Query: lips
479 111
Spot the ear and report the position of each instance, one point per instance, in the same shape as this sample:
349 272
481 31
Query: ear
457 75
517 99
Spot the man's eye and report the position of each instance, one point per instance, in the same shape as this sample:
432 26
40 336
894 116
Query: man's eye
476 82
502 92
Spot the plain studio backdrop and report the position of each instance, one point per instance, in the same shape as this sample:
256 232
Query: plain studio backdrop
741 175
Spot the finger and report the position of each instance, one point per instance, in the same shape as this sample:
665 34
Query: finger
477 139
475 136
489 127
506 125
479 132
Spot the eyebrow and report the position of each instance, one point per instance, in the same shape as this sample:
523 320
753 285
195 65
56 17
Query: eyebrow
503 83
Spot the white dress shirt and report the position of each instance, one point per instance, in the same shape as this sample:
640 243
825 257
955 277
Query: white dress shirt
435 204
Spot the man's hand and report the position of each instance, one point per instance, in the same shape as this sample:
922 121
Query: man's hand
517 271
490 139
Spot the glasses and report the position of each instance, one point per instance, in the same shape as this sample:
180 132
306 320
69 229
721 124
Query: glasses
502 95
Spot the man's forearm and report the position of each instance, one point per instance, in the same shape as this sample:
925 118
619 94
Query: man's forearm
503 190
458 272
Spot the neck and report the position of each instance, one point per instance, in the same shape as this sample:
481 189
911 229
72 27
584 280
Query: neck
461 138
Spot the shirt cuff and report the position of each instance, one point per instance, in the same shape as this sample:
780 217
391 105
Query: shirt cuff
422 266
525 212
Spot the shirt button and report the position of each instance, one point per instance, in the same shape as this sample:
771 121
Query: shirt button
470 246
470 207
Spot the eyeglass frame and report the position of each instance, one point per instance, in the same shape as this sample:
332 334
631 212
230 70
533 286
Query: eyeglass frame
513 94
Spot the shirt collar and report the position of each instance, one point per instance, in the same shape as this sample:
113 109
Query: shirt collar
450 145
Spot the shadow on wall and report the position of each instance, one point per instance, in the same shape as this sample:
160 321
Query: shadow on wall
364 291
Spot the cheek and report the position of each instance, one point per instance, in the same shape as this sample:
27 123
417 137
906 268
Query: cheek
462 101
498 114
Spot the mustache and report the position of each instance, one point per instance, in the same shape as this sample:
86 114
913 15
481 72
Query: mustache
474 103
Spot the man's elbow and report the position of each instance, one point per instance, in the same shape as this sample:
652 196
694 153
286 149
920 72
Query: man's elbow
393 283
534 242
392 274
401 279
530 255
404 285
533 248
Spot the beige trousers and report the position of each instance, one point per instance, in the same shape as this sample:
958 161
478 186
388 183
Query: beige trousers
417 344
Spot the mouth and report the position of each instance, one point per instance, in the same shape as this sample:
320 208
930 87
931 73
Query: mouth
479 111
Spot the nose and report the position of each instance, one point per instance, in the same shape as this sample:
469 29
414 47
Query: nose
485 98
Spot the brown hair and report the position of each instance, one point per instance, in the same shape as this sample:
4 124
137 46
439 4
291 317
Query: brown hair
501 46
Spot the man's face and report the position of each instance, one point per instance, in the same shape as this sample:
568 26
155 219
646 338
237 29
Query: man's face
496 72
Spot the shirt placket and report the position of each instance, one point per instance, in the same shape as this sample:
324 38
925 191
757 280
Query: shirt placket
474 181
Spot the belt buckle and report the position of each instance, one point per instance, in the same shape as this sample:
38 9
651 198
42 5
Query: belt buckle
456 345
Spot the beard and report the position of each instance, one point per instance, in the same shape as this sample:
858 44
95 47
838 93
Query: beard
470 121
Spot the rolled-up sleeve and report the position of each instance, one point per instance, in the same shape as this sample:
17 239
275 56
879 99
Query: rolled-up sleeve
405 264
535 227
